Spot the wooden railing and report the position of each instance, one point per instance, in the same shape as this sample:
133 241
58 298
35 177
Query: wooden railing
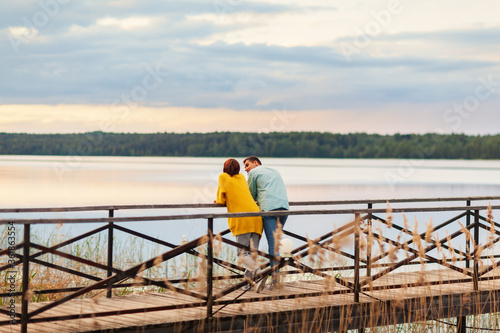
479 232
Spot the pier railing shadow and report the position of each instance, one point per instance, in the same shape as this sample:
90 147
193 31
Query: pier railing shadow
350 260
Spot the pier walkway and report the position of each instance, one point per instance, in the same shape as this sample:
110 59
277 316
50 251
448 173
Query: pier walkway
377 269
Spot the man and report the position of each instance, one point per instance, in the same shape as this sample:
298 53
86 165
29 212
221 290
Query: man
268 189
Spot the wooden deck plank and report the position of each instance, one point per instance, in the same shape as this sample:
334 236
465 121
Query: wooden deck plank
175 297
141 316
87 306
149 301
50 327
293 299
87 324
105 305
10 329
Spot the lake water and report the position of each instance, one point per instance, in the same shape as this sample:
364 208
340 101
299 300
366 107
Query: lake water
59 181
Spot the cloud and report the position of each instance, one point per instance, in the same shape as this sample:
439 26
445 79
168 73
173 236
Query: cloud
246 55
396 118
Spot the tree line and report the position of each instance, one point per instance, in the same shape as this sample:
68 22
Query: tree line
238 144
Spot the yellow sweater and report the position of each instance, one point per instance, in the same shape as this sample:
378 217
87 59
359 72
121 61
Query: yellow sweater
233 191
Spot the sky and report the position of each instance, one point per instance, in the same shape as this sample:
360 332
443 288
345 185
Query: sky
391 66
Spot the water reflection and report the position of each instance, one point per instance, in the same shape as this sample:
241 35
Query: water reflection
57 181
29 181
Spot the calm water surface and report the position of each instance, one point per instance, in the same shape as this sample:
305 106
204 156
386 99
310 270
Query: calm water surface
58 181
43 181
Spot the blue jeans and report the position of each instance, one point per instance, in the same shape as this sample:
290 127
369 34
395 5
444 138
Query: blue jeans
270 224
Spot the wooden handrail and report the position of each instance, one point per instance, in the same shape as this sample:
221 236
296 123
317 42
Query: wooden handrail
226 215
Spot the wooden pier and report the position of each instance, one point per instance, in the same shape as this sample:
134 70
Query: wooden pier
373 271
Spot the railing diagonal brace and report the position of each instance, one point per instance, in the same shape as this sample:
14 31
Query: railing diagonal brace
67 242
239 246
410 233
69 256
406 261
63 269
120 276
308 269
262 275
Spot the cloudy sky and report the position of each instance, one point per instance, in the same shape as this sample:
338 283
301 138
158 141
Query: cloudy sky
242 65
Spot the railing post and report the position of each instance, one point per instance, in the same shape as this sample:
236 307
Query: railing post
369 242
461 321
461 324
26 279
476 247
356 257
110 253
357 254
210 261
467 244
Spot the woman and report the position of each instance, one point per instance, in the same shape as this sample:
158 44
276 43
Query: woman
234 193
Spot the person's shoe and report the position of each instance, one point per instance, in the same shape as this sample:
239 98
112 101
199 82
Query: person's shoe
248 274
262 284
247 287
275 286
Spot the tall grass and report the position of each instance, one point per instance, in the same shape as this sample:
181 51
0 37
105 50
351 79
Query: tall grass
127 252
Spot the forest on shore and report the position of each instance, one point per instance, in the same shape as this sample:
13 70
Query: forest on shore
239 144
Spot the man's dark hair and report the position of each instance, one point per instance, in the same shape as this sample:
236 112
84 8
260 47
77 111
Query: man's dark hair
252 159
231 167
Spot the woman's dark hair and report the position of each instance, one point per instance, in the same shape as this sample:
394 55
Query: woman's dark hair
231 167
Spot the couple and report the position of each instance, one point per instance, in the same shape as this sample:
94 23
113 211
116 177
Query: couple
266 187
